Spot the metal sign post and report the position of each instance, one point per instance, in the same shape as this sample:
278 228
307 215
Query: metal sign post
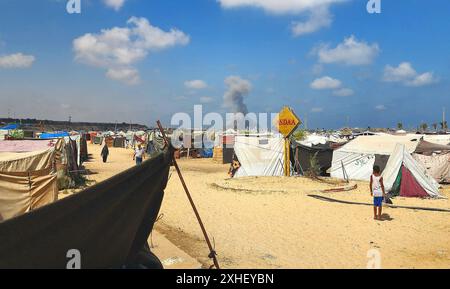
287 122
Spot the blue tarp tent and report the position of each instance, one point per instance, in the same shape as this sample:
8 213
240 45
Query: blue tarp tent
10 127
54 135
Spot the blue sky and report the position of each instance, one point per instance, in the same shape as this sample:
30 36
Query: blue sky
344 65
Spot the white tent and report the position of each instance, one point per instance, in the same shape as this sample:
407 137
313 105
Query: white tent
442 139
403 170
259 156
360 155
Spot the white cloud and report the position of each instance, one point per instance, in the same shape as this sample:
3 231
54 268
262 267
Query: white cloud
349 52
317 109
206 99
343 92
406 74
325 82
114 4
119 48
17 60
380 107
195 84
126 75
319 16
423 79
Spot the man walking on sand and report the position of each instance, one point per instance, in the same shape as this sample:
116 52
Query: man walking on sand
139 155
105 153
377 191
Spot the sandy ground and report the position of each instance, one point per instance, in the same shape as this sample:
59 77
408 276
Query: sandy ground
275 223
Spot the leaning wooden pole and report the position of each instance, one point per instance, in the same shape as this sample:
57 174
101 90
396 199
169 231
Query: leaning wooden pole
212 252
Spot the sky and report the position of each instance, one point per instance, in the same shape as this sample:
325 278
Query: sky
333 62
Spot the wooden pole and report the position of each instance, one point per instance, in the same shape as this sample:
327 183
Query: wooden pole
287 161
212 252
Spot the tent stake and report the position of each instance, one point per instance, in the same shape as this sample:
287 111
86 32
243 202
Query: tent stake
212 253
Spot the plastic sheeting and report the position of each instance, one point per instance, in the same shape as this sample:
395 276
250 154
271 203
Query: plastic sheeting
10 127
437 166
54 135
259 156
109 223
25 145
27 182
401 157
361 154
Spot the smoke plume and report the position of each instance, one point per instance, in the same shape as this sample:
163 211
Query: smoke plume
233 98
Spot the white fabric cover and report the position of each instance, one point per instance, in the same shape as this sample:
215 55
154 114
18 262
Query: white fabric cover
402 156
259 156
358 166
358 155
437 165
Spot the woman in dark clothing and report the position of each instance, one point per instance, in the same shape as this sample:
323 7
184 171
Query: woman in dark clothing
105 153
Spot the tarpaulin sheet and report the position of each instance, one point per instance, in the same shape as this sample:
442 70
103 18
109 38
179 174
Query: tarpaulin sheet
10 127
54 135
108 223
437 165
259 156
409 186
27 182
25 145
23 192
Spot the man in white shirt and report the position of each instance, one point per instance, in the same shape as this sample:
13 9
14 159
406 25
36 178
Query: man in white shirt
139 155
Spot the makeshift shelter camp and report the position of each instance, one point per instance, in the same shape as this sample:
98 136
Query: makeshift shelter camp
356 159
405 177
93 222
259 155
27 177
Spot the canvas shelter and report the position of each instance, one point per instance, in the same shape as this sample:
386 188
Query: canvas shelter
356 159
259 155
436 160
302 156
28 178
405 177
109 223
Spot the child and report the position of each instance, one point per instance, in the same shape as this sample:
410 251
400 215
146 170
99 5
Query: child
377 191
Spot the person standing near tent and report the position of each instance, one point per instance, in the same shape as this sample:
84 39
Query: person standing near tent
377 191
139 155
105 153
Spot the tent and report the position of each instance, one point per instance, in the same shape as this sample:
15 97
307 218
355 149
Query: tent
109 223
10 127
437 165
259 155
27 181
302 156
54 135
357 158
405 177
442 139
436 160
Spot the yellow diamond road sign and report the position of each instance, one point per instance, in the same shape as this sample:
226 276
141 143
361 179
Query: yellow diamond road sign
287 122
